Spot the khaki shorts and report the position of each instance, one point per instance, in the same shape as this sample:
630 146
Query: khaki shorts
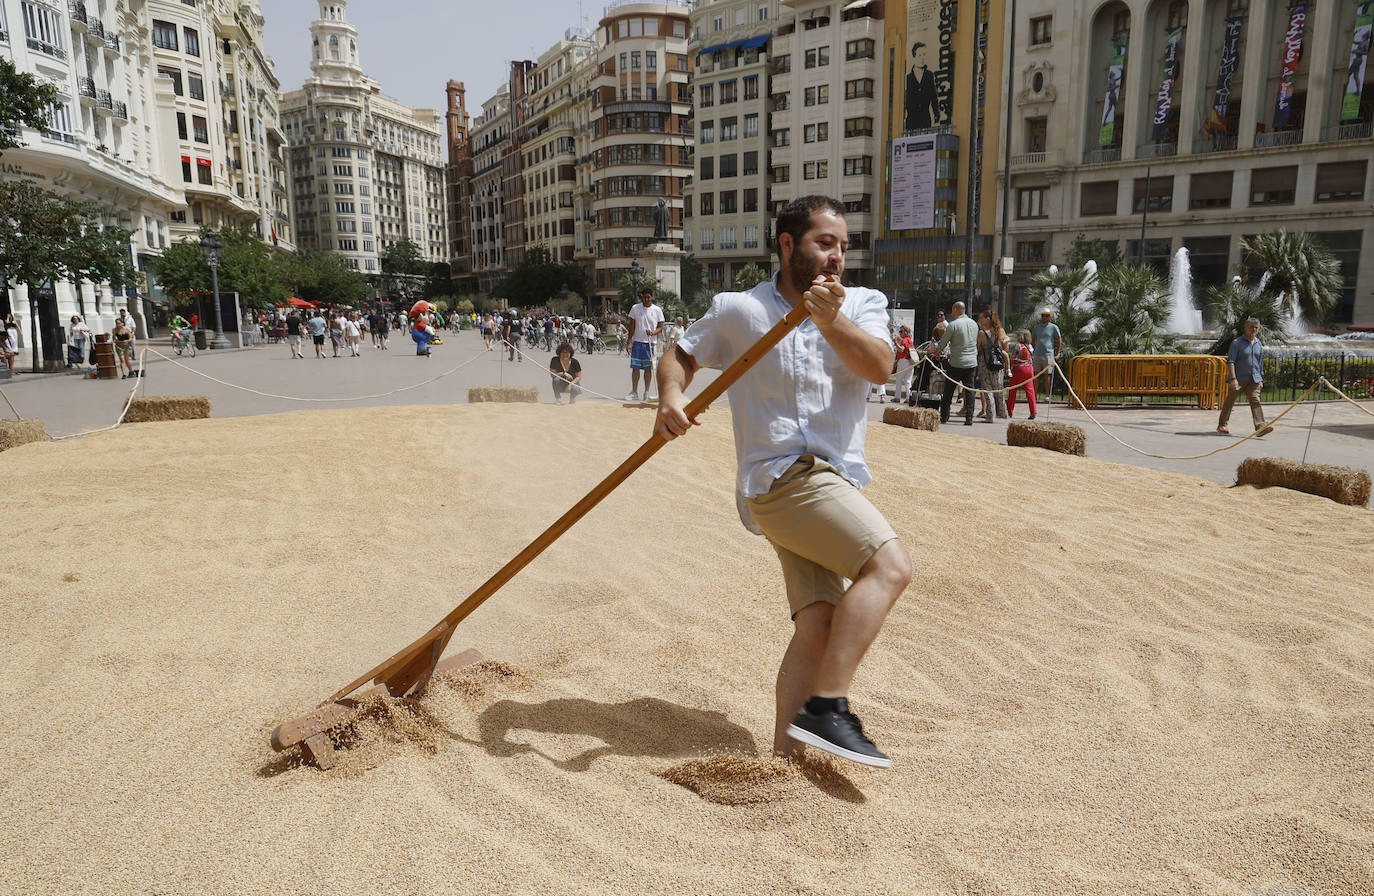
823 529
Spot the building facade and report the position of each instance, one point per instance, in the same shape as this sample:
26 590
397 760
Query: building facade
549 147
458 187
1194 124
367 170
486 210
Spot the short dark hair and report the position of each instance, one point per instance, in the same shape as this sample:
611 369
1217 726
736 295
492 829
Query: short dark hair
648 290
795 217
564 347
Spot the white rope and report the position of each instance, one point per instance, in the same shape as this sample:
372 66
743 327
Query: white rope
1352 401
142 359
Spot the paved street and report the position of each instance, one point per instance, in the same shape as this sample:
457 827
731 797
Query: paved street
68 404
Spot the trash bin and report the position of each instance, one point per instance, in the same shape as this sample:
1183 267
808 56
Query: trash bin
200 340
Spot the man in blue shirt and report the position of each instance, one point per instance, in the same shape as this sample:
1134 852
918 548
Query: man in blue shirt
1245 373
1046 343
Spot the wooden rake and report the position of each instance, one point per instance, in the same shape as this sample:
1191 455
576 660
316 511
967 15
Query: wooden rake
406 672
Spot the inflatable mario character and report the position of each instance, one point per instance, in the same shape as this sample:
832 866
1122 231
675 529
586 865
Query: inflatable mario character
421 330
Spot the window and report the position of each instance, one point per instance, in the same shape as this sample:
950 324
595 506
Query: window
348 245
181 126
344 208
740 17
200 129
186 169
651 60
728 206
1210 190
751 236
729 129
1340 181
203 171
782 65
707 201
708 168
344 189
751 163
782 102
782 174
634 61
782 137
164 35
816 133
1098 198
1030 202
44 30
707 132
817 56
347 226
717 23
1041 30
859 49
1160 197
727 238
751 87
763 13
1037 134
195 87
859 87
729 91
729 165
861 205
175 75
858 127
820 94
751 126
1030 250
859 165
705 97
751 204
343 170
192 41
815 170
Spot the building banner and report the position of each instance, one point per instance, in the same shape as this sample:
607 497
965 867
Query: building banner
928 96
1116 74
1226 73
1164 102
1359 57
912 203
1292 50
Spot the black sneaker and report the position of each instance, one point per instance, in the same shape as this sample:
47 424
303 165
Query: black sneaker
839 733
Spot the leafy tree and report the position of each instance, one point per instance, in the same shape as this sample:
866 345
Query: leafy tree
247 266
538 279
752 276
404 269
1234 305
1130 307
1303 274
1107 253
45 238
323 277
693 277
1067 293
23 101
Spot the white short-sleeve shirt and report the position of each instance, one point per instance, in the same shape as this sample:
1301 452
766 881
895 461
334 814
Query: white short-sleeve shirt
646 319
800 398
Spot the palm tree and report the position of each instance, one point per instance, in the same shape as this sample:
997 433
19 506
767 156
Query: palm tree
1066 292
1131 307
1236 304
1301 271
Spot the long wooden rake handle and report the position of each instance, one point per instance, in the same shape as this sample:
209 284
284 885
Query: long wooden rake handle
409 669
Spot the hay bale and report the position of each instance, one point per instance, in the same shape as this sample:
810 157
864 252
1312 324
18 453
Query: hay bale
20 432
503 394
1062 437
168 407
913 418
1344 485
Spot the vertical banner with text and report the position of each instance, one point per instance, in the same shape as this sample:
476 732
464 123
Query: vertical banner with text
912 203
1226 74
1164 102
1359 58
1288 73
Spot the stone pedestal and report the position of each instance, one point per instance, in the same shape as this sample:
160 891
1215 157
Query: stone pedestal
665 266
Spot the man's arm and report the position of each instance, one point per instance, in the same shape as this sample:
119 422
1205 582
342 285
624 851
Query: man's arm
675 371
869 356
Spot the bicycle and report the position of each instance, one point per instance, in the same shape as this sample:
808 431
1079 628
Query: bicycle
184 341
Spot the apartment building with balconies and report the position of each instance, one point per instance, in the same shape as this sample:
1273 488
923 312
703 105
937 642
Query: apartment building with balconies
1197 124
728 209
490 137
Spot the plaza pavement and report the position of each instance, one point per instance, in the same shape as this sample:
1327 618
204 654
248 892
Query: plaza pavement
66 403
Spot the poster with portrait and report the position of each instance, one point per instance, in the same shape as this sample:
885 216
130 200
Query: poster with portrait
912 203
927 94
1116 74
1359 58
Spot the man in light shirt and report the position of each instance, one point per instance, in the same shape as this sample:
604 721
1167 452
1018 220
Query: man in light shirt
961 335
799 424
646 322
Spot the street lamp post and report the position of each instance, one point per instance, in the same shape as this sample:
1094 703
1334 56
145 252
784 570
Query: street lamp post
210 244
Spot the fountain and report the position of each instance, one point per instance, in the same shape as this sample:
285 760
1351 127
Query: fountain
1184 317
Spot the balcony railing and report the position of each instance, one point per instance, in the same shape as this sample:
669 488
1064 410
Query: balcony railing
121 111
105 101
112 42
77 11
1028 159
1156 150
1278 138
1355 131
87 87
53 50
96 30
1214 144
1101 156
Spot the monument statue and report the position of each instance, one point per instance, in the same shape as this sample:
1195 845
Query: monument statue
661 221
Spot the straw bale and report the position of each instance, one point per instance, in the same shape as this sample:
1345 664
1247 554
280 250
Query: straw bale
1062 437
927 419
1344 485
505 394
21 432
168 407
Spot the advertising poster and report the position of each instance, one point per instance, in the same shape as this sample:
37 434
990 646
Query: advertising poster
1226 73
1359 58
1164 102
928 92
1116 74
912 203
1288 72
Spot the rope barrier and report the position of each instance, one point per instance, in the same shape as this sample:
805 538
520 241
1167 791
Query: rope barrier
1362 408
142 359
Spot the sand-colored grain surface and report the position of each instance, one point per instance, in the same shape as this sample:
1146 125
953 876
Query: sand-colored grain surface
1104 680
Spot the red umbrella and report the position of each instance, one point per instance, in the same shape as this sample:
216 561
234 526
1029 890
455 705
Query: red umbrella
300 303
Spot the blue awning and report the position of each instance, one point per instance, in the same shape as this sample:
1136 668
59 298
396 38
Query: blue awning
753 42
748 44
718 47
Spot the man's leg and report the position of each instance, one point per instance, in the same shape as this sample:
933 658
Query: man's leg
966 377
797 674
1252 392
946 398
1227 404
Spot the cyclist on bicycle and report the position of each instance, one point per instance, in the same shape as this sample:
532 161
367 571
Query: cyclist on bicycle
180 329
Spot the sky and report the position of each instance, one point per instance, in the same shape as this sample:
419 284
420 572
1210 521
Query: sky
413 47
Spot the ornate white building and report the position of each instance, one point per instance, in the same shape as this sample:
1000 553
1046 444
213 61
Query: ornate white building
368 171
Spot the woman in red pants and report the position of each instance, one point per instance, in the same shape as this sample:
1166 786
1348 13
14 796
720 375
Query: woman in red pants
1022 374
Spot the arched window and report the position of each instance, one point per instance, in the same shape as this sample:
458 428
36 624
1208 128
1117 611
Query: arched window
353 50
1178 14
334 46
